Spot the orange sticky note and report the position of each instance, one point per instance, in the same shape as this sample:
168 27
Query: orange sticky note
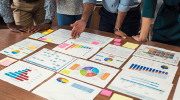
50 30
32 47
105 76
74 66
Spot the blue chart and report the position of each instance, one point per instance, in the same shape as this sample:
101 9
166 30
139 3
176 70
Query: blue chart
19 75
83 88
150 71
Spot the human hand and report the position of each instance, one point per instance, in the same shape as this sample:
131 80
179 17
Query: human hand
39 27
121 34
16 28
138 38
78 27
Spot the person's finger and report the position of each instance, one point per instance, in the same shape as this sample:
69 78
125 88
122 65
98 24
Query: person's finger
123 35
135 38
72 32
37 29
74 24
75 35
17 31
78 34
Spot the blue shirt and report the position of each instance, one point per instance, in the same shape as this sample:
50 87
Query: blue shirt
114 5
6 13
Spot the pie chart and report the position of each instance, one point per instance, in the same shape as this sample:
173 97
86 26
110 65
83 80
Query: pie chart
108 59
164 67
62 80
89 71
15 51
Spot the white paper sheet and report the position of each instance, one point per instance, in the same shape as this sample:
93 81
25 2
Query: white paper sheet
94 39
24 75
81 50
113 55
140 86
50 59
177 91
158 54
58 36
63 88
161 71
22 48
90 72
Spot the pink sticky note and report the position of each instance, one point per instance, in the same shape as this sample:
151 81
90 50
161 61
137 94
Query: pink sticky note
106 92
117 40
62 46
94 42
65 44
6 62
42 39
117 43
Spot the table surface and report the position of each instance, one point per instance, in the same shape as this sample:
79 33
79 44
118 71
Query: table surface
11 92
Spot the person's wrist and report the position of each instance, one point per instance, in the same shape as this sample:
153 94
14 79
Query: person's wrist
10 24
84 20
143 37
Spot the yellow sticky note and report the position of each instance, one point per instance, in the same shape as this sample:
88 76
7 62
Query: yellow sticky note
65 72
119 97
32 47
50 30
45 32
48 40
130 45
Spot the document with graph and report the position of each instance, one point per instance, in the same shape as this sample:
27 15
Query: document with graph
161 71
158 54
112 55
64 88
81 50
24 75
90 72
140 86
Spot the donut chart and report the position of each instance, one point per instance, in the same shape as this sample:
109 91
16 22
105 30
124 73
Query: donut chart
89 71
62 80
164 67
108 59
15 51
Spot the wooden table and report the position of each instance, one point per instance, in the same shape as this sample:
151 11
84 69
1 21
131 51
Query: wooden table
11 92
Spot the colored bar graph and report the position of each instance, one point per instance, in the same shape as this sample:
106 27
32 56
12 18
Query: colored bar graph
137 67
141 68
134 67
131 66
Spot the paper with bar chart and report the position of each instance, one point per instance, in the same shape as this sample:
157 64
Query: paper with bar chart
94 39
50 59
57 37
161 71
113 55
177 91
64 88
90 72
22 48
158 54
140 86
24 75
81 50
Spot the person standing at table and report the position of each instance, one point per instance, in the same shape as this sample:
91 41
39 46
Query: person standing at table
69 11
121 17
167 25
22 6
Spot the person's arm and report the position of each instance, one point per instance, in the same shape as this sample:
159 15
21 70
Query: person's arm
80 25
147 16
50 7
6 13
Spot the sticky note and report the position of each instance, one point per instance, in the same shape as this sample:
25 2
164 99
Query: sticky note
106 92
50 30
119 97
65 44
117 40
62 46
7 61
65 72
94 42
37 35
42 39
46 32
130 45
48 40
32 47
105 76
117 43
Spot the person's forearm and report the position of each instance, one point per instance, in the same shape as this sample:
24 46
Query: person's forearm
87 11
146 23
120 18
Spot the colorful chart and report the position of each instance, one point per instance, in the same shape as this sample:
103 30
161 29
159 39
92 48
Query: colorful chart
62 80
89 71
164 67
108 59
15 51
19 75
